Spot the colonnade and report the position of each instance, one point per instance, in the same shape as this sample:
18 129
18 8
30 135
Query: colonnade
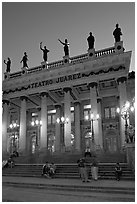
95 108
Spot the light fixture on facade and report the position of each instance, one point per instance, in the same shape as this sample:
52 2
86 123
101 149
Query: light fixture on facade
62 120
124 112
92 118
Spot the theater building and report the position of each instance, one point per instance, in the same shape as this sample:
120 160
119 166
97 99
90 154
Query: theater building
67 105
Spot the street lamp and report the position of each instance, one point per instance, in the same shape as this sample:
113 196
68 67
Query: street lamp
124 112
92 118
37 123
62 120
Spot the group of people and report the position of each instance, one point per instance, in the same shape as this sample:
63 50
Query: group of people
48 170
10 161
84 174
91 40
82 165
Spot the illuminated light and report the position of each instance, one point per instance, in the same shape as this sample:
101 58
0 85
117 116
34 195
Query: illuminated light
92 115
87 107
37 122
40 122
32 123
86 117
58 120
14 125
62 119
67 119
72 108
127 104
11 126
118 110
97 116
132 108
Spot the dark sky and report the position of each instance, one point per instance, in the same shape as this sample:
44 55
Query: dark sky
25 25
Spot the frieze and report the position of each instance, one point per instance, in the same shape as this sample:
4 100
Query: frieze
64 79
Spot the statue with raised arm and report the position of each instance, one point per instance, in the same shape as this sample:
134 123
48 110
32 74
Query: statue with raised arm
91 41
117 33
66 46
8 63
24 60
45 51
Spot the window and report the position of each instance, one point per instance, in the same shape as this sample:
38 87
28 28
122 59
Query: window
49 119
106 112
72 116
113 112
110 112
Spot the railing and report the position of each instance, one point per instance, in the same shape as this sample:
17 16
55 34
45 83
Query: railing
60 63
16 74
105 51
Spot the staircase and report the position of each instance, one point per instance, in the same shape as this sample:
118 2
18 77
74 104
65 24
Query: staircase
106 171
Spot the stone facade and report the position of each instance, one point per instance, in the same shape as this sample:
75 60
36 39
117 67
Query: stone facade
75 90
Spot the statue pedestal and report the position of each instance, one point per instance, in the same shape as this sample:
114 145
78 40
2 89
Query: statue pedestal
44 65
119 47
66 59
91 53
6 75
130 154
24 70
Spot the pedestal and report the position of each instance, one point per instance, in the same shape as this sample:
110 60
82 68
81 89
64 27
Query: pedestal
66 59
130 154
119 47
91 53
44 65
6 75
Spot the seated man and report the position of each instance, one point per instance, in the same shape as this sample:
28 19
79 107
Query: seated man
46 170
118 171
11 162
52 170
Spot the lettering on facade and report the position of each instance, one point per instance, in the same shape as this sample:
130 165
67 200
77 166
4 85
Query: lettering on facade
57 80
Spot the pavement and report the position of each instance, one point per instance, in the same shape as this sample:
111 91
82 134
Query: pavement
69 182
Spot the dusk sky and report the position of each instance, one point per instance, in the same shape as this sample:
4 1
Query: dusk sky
25 25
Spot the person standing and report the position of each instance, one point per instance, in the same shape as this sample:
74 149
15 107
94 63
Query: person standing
118 171
83 170
66 48
8 63
45 52
94 169
91 41
24 60
117 33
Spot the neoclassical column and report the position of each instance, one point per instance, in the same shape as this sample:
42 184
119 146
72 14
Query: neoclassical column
77 138
67 114
23 123
5 125
57 129
100 138
43 135
94 109
122 100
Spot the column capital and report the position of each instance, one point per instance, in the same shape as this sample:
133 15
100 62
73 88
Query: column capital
57 106
44 94
121 79
92 85
66 89
4 101
39 109
76 103
99 100
23 98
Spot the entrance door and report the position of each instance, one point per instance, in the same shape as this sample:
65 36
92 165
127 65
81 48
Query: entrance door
111 144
